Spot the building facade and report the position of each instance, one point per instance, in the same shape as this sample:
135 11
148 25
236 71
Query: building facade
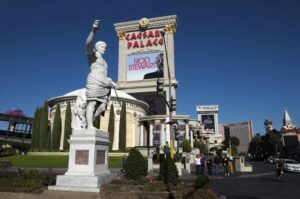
243 131
146 53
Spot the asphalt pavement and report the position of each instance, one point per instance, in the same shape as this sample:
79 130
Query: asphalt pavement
262 183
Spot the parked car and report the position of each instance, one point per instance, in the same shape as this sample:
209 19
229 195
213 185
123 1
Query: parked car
291 165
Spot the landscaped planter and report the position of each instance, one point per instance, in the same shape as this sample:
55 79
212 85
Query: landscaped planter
115 191
158 195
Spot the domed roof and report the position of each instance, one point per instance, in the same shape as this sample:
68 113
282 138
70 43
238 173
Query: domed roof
75 93
120 94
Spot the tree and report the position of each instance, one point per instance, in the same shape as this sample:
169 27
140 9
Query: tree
38 142
168 172
256 148
111 126
44 127
201 146
35 130
68 128
234 144
186 146
122 129
56 132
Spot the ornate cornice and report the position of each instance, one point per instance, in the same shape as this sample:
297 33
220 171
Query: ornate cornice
158 22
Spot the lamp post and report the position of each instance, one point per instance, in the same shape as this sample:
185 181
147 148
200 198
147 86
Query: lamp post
170 100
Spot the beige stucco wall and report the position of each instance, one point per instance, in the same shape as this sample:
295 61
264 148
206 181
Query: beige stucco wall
134 112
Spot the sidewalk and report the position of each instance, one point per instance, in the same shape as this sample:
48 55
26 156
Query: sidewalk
51 195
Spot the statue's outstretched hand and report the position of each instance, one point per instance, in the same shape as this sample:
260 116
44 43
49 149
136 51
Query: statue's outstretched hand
96 24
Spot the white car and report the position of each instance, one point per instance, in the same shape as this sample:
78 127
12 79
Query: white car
291 165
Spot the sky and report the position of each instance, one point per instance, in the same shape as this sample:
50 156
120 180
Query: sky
243 55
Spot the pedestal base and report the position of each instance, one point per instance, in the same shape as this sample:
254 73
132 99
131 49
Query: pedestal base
80 183
88 162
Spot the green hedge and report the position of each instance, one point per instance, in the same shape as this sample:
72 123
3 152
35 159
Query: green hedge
51 161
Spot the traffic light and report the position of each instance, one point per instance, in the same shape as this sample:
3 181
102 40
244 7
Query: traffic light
226 132
160 87
173 104
176 131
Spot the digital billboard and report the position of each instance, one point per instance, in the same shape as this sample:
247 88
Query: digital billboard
156 133
209 123
181 129
145 66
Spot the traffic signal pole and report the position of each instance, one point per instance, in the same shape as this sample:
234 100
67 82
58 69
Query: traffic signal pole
170 101
228 137
230 153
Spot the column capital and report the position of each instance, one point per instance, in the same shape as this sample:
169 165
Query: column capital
121 35
170 29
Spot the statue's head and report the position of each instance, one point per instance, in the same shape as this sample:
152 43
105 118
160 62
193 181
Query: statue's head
100 47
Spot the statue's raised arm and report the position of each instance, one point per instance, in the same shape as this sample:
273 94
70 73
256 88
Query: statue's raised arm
89 43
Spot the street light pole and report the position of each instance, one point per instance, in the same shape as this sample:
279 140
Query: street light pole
170 100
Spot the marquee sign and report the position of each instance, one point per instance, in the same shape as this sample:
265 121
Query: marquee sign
144 39
208 108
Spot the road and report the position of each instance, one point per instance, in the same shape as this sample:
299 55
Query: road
261 184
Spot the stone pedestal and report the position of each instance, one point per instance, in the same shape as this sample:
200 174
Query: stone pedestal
88 162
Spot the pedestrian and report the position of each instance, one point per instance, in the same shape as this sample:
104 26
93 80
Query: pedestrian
209 165
203 160
279 168
217 165
198 164
226 165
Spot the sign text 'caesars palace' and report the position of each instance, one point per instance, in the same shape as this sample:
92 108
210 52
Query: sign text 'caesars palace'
144 39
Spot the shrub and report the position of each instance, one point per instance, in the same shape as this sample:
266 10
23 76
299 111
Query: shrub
177 157
5 164
25 181
201 182
186 146
154 186
136 165
168 172
204 194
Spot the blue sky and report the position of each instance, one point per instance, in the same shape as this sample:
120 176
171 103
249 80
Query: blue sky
242 55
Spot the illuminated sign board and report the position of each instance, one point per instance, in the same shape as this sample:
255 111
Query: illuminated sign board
144 66
209 123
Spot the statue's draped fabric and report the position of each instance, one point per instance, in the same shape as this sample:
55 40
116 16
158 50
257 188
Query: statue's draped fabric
98 84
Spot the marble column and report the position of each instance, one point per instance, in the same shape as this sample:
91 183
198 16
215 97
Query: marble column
186 130
163 135
141 134
151 134
192 138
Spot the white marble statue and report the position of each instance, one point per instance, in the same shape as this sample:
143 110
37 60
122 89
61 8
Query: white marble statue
79 120
98 87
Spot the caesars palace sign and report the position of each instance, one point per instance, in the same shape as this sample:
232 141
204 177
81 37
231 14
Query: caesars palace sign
144 39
